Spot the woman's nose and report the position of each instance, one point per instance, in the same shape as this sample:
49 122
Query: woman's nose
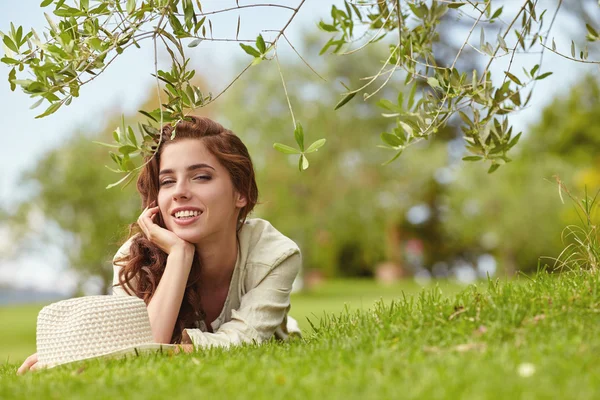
181 190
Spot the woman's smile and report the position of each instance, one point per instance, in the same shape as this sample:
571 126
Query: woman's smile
187 219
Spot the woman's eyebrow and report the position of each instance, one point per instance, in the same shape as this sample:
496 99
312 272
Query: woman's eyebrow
190 168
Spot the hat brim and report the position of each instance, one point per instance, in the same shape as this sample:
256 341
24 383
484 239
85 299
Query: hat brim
137 350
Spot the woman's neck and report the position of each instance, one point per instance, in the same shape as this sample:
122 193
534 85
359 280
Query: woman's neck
217 260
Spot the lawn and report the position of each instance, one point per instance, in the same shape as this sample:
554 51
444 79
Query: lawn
538 338
17 336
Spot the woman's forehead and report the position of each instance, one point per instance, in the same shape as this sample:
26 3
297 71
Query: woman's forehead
186 152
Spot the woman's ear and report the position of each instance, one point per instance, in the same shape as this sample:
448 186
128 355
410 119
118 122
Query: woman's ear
240 201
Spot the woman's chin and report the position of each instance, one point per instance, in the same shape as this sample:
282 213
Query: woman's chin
191 237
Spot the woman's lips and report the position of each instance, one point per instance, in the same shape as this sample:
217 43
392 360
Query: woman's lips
186 221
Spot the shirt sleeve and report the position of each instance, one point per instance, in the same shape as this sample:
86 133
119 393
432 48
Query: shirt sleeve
262 310
117 289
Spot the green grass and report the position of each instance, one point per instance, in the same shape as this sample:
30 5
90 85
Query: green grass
535 338
17 336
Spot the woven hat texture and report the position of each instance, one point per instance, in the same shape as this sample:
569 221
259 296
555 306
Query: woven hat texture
92 326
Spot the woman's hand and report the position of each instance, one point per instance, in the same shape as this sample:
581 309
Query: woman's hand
30 364
163 238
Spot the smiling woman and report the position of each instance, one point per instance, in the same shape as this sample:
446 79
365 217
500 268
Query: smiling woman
208 275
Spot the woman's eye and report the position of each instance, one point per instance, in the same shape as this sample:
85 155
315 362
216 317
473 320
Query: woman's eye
166 182
203 177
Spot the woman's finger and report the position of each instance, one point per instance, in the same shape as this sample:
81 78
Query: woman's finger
144 220
150 214
31 360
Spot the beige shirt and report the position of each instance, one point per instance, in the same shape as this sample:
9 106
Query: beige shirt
258 300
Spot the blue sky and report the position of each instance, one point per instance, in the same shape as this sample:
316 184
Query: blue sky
124 84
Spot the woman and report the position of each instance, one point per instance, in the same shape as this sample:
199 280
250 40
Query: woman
209 277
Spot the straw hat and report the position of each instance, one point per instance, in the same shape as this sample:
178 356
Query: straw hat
94 326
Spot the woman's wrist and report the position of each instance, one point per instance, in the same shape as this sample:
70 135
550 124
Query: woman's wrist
184 248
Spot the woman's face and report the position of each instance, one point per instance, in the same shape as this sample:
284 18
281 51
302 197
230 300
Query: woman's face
196 197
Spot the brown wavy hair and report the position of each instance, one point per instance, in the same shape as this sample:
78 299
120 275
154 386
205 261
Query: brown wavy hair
145 261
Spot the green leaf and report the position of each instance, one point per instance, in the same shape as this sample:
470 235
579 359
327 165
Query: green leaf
456 5
282 148
493 168
345 100
150 130
302 163
10 44
542 76
36 104
260 44
497 13
591 30
391 140
502 43
514 140
472 158
513 78
534 69
188 11
12 76
195 42
388 105
327 27
299 135
572 48
130 6
50 110
411 97
250 50
434 83
131 136
46 3
393 158
315 146
127 149
8 60
84 5
466 119
147 114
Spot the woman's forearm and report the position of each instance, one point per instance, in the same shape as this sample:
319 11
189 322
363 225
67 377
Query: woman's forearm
164 307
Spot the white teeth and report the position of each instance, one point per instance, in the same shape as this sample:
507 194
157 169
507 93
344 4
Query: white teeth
186 214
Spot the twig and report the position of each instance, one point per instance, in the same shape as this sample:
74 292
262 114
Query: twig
504 37
569 58
512 57
547 37
240 7
376 33
305 62
287 97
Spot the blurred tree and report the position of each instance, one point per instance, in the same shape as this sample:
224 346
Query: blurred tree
517 215
71 195
346 210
